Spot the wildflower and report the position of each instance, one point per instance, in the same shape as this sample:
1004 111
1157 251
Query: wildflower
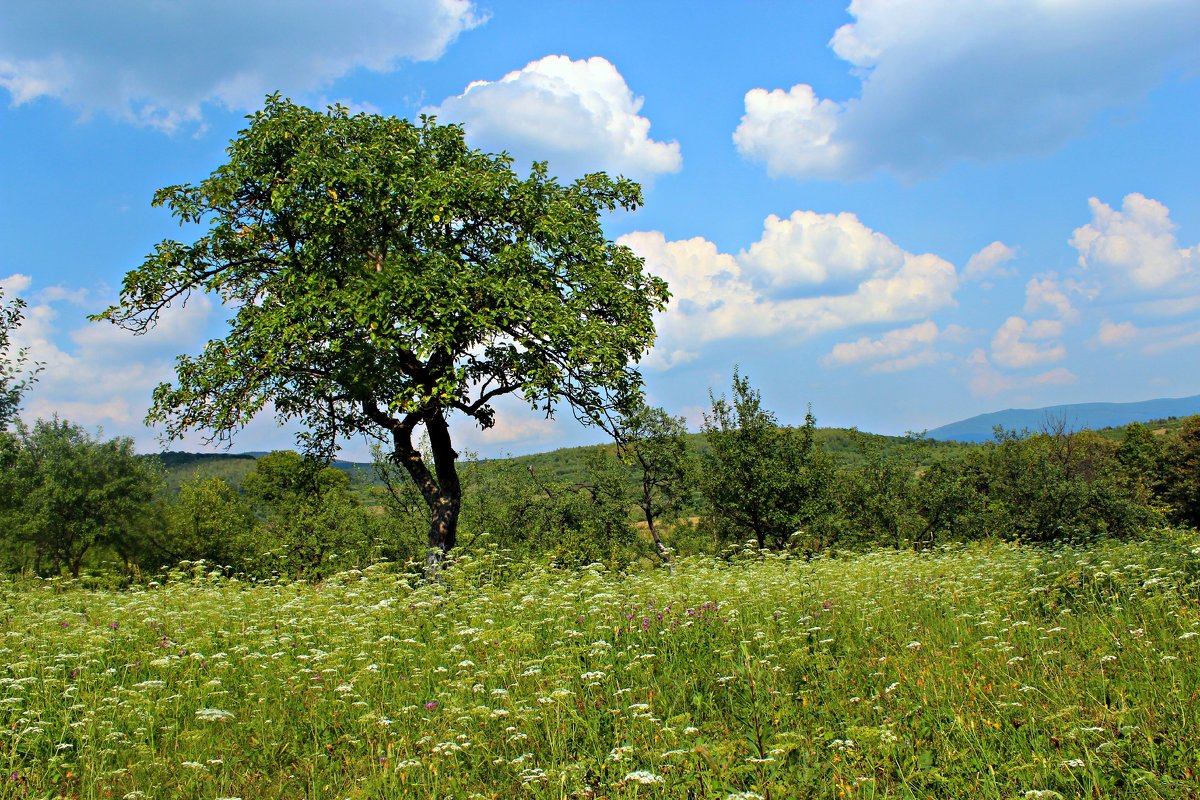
619 753
532 775
432 704
213 715
644 777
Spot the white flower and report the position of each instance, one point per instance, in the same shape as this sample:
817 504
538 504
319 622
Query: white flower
213 715
642 776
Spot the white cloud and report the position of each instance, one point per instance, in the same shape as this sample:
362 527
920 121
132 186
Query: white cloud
580 116
792 132
943 80
989 262
1115 334
96 375
158 64
986 380
1059 376
1136 246
807 274
894 351
13 285
1045 291
1010 347
1174 340
828 253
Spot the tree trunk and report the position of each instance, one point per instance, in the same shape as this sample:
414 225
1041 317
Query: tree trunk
663 552
440 488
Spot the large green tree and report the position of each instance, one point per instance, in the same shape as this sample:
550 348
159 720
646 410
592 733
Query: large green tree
76 493
384 276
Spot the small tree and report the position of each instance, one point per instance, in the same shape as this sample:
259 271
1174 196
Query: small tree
653 442
77 493
1183 473
578 523
209 520
878 496
760 478
309 514
14 378
384 276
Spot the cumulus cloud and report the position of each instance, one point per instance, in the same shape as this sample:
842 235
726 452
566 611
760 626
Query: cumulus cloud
1045 291
894 351
580 116
96 375
823 253
14 284
807 274
1115 334
1016 344
158 64
1136 246
986 380
943 80
989 262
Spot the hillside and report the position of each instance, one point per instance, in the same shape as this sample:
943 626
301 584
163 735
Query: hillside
564 465
1076 416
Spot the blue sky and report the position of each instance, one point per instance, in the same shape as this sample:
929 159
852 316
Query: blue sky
902 212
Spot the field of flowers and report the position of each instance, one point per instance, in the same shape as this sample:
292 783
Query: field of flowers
985 671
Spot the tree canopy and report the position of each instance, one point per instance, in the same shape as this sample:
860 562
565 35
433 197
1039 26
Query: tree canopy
382 276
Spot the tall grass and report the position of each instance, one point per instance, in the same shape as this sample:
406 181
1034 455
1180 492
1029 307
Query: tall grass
987 671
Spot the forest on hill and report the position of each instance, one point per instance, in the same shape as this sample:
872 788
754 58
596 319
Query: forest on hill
76 504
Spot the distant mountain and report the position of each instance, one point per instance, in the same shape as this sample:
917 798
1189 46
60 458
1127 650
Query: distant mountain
1077 416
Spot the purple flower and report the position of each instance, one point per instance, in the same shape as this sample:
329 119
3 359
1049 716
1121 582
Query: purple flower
432 704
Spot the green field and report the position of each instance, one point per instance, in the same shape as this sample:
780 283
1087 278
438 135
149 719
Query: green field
989 671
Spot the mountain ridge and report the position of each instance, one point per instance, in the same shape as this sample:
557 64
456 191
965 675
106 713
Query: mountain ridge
1075 416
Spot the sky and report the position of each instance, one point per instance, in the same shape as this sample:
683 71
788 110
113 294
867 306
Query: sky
899 213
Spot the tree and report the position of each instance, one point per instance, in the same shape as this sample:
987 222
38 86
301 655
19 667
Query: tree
209 520
1183 473
579 523
653 442
384 276
879 496
758 477
309 513
12 365
77 492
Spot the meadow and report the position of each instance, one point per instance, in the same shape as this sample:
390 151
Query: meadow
985 670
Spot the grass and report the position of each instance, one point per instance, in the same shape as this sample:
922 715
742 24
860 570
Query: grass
989 671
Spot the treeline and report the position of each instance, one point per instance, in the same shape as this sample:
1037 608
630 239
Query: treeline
70 502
